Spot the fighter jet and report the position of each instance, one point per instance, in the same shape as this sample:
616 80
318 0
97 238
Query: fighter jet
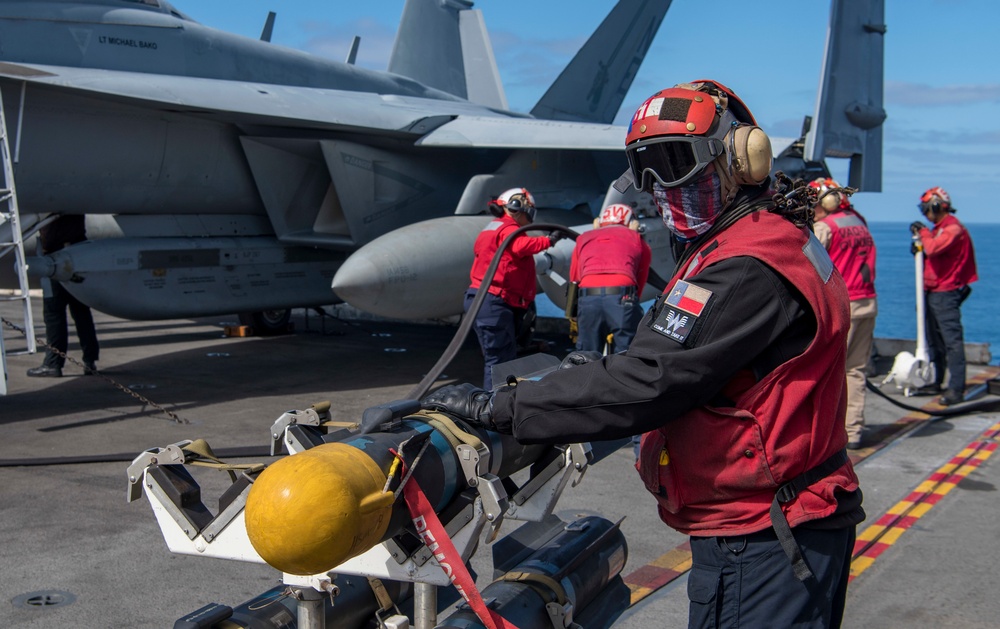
236 175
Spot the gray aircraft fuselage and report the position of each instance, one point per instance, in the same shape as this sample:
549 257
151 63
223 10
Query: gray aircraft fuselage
186 134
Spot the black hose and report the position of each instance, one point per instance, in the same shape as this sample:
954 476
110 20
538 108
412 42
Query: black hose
224 453
964 408
470 317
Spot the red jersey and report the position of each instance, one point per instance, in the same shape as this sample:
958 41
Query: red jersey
610 256
852 250
514 282
716 469
949 262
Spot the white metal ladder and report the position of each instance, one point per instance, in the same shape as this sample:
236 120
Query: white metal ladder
12 241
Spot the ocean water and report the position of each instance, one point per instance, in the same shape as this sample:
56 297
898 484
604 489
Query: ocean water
895 284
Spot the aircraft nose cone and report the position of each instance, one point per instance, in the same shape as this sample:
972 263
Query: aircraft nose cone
360 282
419 271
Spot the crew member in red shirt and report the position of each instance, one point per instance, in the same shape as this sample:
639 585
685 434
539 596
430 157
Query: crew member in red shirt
610 264
513 287
949 268
844 233
735 375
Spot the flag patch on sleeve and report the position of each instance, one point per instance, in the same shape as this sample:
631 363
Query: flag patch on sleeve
688 297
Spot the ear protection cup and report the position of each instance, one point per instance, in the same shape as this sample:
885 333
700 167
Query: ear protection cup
830 201
750 151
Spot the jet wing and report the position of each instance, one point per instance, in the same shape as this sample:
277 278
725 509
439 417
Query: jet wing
514 133
450 123
239 102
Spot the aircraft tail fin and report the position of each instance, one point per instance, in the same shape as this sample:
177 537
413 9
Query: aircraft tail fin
849 108
444 44
591 88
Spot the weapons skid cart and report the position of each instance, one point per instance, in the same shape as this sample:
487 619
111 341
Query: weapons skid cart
331 516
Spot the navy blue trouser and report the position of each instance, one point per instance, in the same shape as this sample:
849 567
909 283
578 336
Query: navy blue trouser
747 581
57 328
945 337
600 315
597 316
496 330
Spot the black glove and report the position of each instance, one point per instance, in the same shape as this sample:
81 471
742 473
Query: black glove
577 358
555 237
465 401
916 226
914 248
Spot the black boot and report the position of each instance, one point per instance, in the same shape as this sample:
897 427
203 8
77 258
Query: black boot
45 372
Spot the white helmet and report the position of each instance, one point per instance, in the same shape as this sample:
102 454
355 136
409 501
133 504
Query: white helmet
615 214
518 200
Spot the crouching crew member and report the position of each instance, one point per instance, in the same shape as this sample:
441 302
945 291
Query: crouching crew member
610 264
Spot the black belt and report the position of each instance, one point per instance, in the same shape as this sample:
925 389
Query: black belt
607 290
787 493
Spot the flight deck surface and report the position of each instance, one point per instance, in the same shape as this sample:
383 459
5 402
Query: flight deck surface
930 487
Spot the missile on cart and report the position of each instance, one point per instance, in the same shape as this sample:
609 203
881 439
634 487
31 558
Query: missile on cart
353 608
547 570
310 512
570 580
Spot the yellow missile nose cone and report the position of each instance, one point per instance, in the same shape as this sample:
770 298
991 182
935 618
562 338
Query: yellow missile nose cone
311 511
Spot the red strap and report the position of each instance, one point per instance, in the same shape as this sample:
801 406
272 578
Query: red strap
432 532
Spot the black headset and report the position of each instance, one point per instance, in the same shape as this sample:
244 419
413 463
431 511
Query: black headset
518 203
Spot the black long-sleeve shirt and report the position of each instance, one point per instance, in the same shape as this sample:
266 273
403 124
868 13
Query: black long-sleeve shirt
754 321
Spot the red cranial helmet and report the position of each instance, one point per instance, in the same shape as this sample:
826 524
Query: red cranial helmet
935 199
679 131
829 196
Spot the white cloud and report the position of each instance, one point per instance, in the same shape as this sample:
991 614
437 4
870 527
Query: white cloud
921 95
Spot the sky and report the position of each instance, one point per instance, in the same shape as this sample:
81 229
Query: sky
942 71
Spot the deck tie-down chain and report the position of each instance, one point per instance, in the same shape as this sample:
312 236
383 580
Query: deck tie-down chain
141 398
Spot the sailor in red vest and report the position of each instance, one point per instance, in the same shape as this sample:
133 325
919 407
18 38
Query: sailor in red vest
735 375
512 290
949 268
610 265
844 233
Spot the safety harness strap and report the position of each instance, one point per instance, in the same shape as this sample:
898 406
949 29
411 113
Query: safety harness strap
449 429
548 588
381 595
430 530
787 493
205 457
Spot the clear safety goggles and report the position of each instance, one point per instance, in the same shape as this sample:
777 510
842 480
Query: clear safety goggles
671 160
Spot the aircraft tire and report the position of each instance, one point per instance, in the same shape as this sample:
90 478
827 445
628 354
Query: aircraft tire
267 322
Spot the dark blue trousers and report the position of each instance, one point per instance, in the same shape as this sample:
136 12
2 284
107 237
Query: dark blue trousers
57 328
945 337
747 581
496 330
601 315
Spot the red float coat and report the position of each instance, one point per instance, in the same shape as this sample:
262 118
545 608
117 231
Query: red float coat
613 255
949 262
514 282
853 252
715 470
